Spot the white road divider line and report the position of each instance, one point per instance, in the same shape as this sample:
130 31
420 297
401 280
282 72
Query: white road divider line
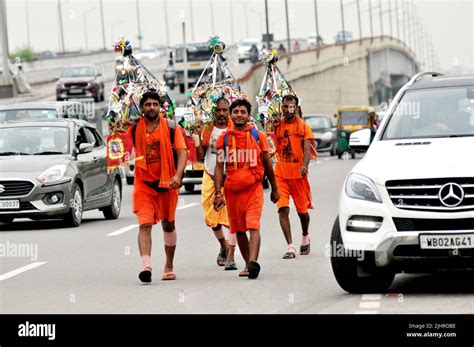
123 230
369 304
186 206
371 297
21 270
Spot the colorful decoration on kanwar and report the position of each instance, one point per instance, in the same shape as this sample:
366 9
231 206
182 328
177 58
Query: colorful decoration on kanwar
131 81
216 82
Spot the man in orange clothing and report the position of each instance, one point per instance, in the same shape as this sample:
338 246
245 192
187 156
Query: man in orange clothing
157 180
244 150
294 141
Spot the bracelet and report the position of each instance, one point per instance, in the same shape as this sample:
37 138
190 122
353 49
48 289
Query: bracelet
216 195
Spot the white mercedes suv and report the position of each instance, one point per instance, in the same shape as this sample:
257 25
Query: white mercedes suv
408 205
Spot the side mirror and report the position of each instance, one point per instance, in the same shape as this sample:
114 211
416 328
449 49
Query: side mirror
360 139
85 147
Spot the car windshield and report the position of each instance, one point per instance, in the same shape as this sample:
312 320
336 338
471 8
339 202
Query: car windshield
40 113
430 113
317 122
353 118
34 140
195 53
78 72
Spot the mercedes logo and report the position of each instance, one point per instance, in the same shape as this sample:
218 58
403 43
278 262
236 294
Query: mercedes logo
2 188
451 194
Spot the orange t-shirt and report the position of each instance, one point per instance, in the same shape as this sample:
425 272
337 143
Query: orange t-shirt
153 156
290 148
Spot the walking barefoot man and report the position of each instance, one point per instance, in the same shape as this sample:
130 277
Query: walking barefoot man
244 150
157 180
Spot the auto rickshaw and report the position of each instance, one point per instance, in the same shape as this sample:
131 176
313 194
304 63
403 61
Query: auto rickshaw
350 119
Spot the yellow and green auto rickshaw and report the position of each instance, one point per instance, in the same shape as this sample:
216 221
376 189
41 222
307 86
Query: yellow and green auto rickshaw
350 119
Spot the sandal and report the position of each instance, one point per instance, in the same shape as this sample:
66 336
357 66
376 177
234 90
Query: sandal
244 273
168 276
254 270
145 275
290 252
305 247
221 257
230 265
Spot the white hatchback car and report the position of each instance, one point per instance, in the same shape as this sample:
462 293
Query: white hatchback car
408 205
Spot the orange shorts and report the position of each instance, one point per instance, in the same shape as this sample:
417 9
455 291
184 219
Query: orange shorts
299 190
244 209
151 206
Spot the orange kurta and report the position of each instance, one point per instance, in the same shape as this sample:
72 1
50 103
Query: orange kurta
149 205
290 142
243 186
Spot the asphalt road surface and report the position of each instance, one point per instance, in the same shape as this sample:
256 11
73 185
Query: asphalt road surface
94 268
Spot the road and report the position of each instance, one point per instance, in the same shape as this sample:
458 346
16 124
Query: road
94 268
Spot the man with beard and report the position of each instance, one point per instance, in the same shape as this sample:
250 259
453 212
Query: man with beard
295 144
157 180
244 150
206 147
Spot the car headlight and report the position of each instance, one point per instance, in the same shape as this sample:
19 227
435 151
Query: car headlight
327 136
53 174
361 187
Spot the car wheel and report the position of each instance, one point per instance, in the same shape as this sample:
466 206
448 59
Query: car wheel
339 154
113 211
189 187
181 88
130 180
6 220
353 154
241 61
334 149
344 267
74 216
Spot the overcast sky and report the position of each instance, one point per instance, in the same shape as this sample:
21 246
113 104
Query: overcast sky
448 23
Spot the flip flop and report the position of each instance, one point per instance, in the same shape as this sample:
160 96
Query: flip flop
145 275
168 276
305 249
230 265
244 273
221 257
254 270
290 252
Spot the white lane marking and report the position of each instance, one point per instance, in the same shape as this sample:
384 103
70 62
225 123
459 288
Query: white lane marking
186 206
21 270
123 230
371 297
366 312
369 304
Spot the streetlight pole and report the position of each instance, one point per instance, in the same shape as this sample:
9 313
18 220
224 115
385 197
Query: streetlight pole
61 29
360 22
381 19
103 25
343 27
28 42
185 59
288 27
166 23
371 22
6 78
139 25
86 44
267 24
191 18
317 21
